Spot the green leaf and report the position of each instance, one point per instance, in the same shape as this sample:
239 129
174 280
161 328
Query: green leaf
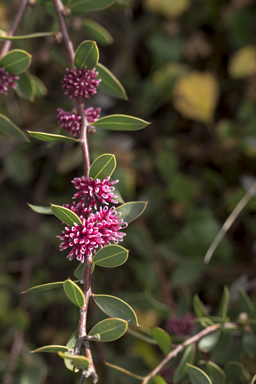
39 209
87 54
120 123
197 306
197 376
40 88
224 303
249 344
26 88
79 271
16 61
97 32
110 84
130 211
45 287
115 307
4 36
66 215
51 137
253 379
111 256
215 373
234 369
124 371
182 370
83 6
79 362
159 380
207 343
109 329
51 348
74 293
103 166
245 301
6 126
162 338
71 344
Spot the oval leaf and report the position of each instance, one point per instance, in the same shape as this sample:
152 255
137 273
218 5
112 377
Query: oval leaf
120 123
224 303
110 84
159 380
111 256
51 348
103 166
74 293
249 344
207 343
83 6
45 287
162 338
97 32
215 373
65 214
197 376
130 211
4 36
245 302
40 88
39 209
7 127
79 271
26 88
87 54
109 329
188 357
71 344
51 137
115 307
253 379
16 61
79 362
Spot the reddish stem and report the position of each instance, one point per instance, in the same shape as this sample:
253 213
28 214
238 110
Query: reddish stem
16 22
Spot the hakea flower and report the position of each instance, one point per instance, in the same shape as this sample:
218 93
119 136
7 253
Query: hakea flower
99 229
71 122
7 80
80 83
181 326
100 189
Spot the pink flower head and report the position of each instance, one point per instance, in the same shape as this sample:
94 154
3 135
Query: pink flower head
71 122
7 80
99 229
79 83
100 189
181 326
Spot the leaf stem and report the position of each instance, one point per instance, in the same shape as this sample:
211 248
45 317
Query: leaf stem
16 22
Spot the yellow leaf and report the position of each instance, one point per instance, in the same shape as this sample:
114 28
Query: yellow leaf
243 62
196 95
169 8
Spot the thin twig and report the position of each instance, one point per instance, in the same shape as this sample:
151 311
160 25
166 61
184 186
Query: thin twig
16 22
230 220
179 348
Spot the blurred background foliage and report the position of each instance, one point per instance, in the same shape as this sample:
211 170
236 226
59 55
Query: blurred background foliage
189 67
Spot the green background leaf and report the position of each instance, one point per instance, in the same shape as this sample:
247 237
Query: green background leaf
83 6
197 376
28 36
97 32
39 209
120 123
111 256
103 166
159 380
51 348
26 88
87 54
162 338
79 362
74 293
115 307
110 84
109 329
130 211
16 61
7 127
188 358
45 287
51 137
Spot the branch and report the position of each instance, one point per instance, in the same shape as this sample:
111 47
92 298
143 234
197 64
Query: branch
17 20
180 347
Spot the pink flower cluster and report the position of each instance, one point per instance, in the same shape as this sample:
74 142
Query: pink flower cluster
181 326
98 228
71 122
7 80
79 83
